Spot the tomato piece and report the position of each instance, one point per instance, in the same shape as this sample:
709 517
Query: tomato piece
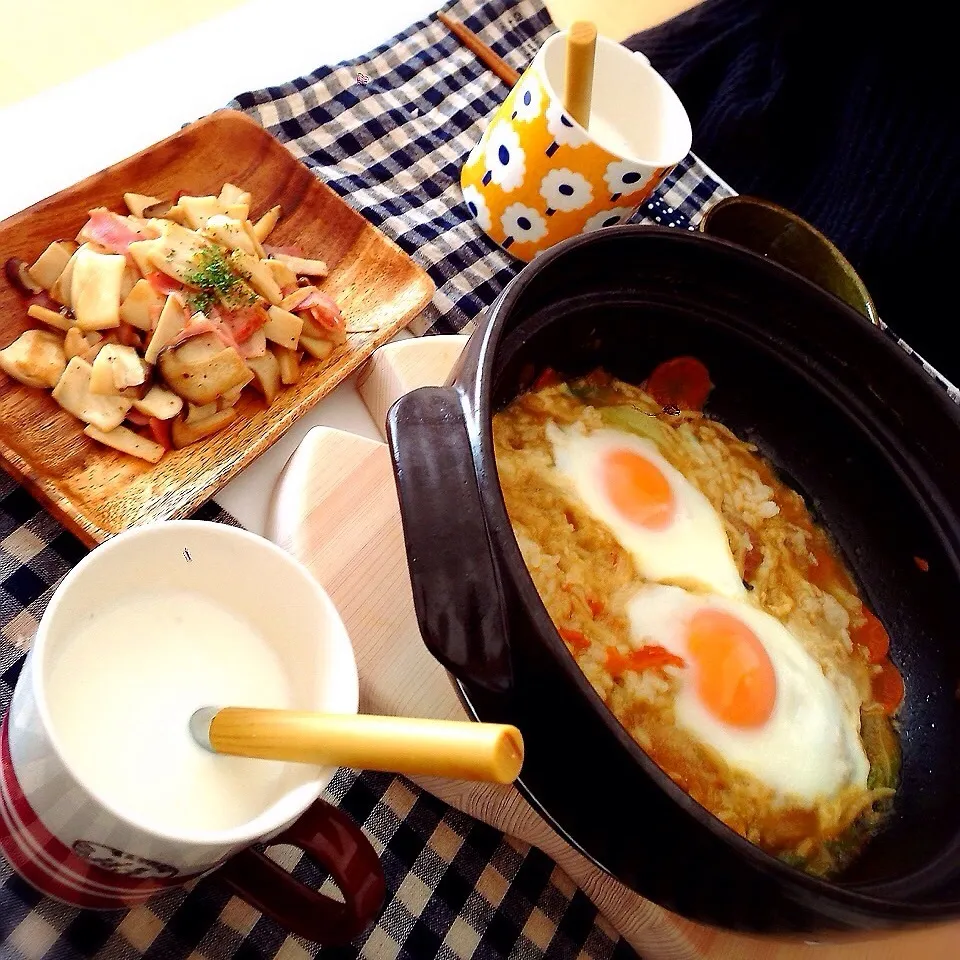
922 565
888 688
683 382
160 429
872 636
548 378
646 658
596 607
575 638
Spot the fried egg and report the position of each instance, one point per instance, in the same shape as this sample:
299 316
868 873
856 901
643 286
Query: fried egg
665 523
750 690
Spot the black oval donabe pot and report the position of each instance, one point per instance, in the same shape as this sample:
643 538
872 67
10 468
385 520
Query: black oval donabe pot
851 421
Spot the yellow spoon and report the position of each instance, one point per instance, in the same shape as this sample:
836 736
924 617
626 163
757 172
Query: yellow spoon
441 748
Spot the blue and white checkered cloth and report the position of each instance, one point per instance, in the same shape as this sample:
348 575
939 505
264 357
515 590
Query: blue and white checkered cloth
389 131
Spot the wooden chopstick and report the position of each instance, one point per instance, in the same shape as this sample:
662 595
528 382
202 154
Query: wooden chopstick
483 53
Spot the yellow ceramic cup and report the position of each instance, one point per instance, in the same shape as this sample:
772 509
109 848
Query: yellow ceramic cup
537 177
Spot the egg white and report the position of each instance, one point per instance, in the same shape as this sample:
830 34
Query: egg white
692 551
810 746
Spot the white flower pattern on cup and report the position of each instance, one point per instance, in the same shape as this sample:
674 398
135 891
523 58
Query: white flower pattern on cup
526 103
624 178
564 132
607 218
504 157
522 224
565 190
477 206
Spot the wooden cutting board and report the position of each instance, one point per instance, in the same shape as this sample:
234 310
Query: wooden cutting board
335 508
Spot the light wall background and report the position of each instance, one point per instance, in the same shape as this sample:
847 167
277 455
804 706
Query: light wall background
47 42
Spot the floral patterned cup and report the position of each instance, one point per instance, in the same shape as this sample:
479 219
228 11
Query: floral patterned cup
537 177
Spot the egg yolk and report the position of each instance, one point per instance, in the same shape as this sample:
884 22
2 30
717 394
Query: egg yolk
638 489
735 678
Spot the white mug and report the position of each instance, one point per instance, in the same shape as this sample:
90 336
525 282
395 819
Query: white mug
71 844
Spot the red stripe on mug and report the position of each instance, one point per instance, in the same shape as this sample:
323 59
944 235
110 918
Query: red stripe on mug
47 883
51 866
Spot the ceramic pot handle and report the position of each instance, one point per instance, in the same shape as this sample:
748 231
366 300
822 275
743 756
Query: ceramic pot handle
456 587
335 842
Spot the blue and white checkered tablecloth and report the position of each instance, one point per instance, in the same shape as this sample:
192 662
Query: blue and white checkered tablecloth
389 131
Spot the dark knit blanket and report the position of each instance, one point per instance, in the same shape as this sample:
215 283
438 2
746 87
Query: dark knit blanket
845 112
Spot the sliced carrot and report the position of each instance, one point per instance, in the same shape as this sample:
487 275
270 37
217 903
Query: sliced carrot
160 430
683 382
596 607
575 638
646 658
548 378
824 572
872 636
752 561
888 687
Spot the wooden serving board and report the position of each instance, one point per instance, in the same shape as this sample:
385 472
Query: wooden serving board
96 491
335 508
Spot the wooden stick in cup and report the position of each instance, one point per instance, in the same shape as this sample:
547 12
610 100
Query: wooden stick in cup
581 51
442 748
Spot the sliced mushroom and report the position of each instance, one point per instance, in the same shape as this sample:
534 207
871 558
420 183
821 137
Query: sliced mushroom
18 273
259 274
195 413
62 287
159 210
75 344
230 399
35 358
175 253
138 203
266 371
263 227
321 349
50 317
116 369
282 274
127 441
160 403
95 289
201 369
52 262
140 251
289 361
184 433
198 210
172 320
142 306
73 393
229 233
283 327
302 266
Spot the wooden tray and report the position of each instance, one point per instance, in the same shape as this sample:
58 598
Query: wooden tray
335 509
97 492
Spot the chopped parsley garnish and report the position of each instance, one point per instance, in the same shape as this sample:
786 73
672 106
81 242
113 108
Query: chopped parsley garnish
218 279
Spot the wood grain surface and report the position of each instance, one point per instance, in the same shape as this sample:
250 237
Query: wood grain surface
97 492
335 508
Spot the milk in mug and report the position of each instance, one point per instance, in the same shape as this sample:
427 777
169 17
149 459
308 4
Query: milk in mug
121 694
